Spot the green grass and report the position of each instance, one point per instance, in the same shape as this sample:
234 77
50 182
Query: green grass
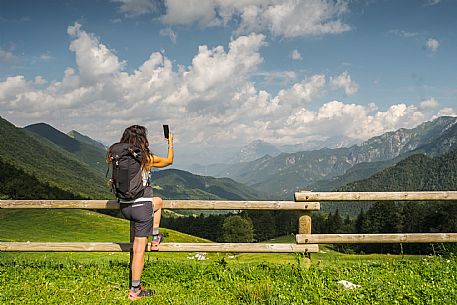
63 225
428 281
224 278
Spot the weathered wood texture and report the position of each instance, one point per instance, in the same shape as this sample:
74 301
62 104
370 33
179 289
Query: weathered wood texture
304 223
168 204
376 238
376 196
165 247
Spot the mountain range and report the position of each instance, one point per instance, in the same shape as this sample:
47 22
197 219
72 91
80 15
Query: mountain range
259 148
326 168
74 163
255 150
440 142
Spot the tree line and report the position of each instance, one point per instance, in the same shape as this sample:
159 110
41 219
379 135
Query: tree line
251 226
394 217
381 217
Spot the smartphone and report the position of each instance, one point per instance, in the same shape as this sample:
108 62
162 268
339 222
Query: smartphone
166 131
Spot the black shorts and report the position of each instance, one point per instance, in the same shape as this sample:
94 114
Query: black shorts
141 212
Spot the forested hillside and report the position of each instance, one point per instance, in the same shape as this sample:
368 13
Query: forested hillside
17 184
85 139
358 172
178 184
416 173
91 154
49 164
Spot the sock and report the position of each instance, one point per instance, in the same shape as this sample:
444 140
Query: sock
135 285
155 231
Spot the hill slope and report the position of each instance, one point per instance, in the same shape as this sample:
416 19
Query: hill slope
70 225
90 154
178 184
415 173
85 139
359 171
17 184
48 163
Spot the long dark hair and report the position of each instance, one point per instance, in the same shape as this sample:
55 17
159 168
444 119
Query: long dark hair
137 135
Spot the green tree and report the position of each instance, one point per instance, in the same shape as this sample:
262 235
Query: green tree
264 224
335 223
360 222
238 229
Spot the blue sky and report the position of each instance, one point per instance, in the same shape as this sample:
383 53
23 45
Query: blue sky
287 71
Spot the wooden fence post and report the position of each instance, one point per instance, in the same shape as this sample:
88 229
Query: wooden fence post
304 225
132 237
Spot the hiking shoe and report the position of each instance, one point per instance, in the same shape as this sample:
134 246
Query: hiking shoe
156 240
140 293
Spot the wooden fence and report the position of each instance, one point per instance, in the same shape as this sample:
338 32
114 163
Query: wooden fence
304 227
305 203
376 238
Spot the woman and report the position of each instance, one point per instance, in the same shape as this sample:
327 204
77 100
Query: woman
144 213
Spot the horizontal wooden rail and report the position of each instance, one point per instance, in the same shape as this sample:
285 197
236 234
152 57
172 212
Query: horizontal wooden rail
168 204
165 247
375 196
376 238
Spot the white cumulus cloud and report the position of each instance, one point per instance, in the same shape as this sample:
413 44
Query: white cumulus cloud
446 111
344 81
432 44
94 59
430 103
210 102
295 55
287 18
303 92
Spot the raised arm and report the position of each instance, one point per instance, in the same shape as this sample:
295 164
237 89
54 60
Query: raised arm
161 161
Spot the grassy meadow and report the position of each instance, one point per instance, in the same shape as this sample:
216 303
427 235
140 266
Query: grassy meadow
222 278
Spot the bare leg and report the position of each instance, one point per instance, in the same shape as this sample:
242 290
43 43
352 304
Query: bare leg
139 245
158 204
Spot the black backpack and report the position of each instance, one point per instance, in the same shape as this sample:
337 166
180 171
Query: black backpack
127 180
